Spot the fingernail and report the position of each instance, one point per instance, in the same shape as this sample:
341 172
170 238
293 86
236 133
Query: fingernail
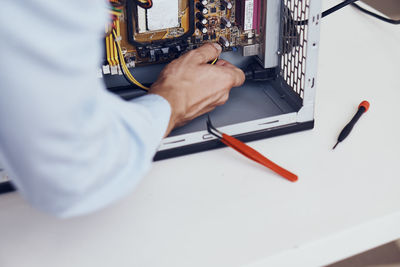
219 48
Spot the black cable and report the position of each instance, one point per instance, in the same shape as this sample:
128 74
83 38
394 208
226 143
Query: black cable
337 7
147 5
388 20
351 2
120 65
329 11
257 73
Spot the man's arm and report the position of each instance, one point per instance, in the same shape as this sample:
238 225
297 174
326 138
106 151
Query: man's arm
69 145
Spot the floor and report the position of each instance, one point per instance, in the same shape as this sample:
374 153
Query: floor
384 256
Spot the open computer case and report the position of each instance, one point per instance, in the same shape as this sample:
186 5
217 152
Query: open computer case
288 50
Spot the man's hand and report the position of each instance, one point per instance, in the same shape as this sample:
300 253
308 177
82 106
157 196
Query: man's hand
193 87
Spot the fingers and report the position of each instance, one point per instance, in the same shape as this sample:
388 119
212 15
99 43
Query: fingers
233 75
225 63
205 53
236 73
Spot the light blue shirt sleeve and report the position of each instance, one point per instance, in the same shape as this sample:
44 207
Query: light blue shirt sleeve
69 146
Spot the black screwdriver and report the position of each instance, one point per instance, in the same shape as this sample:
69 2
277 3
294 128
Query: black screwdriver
362 108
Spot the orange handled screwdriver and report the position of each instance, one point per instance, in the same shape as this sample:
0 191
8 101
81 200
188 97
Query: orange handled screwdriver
362 108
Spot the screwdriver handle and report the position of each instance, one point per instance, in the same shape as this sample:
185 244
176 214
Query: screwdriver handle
347 129
363 107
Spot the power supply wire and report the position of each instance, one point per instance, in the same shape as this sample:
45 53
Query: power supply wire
337 7
377 16
116 9
146 4
124 68
351 2
329 11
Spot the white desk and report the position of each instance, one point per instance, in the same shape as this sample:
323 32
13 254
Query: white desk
217 209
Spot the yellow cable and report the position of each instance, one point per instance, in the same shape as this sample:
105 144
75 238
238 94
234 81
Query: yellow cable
115 13
127 72
123 64
125 68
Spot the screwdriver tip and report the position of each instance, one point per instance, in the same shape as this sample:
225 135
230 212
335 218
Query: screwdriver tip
335 145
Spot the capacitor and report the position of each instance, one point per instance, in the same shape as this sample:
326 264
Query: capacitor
201 27
226 22
223 41
202 8
204 2
227 4
203 20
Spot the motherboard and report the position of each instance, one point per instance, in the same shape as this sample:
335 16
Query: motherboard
144 32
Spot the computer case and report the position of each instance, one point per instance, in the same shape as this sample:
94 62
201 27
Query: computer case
256 110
